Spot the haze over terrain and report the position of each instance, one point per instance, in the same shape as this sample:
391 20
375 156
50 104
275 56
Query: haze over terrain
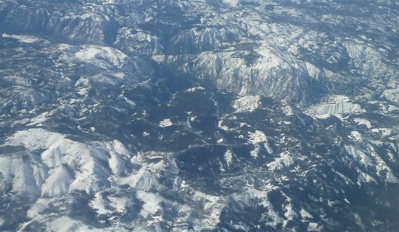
206 115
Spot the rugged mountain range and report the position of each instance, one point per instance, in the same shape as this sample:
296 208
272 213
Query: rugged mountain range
208 115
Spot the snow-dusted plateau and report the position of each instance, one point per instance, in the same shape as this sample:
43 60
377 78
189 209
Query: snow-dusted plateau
205 115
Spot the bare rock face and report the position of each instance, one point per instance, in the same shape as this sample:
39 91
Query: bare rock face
230 115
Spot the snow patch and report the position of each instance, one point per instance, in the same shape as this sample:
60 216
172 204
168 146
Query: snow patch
256 137
18 173
362 121
213 206
365 178
247 104
305 214
244 199
355 136
290 214
116 163
391 95
313 226
57 184
24 38
190 90
65 223
233 3
65 165
151 203
228 157
101 56
268 147
165 123
118 203
255 151
360 156
284 160
37 121
34 139
383 132
98 203
334 106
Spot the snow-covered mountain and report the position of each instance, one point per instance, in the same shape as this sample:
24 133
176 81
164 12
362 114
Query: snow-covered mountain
208 115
